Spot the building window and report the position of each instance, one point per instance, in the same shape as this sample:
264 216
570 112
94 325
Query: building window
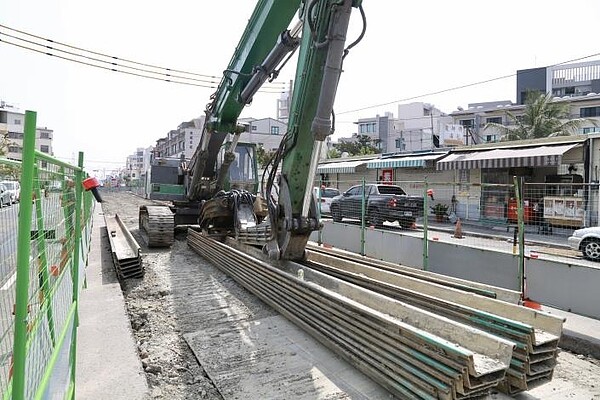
274 130
400 144
493 120
45 148
593 129
253 127
587 112
490 138
15 135
3 117
14 149
44 164
17 122
467 123
44 135
464 178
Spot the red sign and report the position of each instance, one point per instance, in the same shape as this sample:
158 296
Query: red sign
387 175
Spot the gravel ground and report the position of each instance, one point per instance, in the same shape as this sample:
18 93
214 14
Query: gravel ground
182 293
177 291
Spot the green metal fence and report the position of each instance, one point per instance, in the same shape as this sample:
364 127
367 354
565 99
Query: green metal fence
481 216
45 243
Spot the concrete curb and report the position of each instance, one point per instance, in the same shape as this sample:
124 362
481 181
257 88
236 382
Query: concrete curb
108 366
580 334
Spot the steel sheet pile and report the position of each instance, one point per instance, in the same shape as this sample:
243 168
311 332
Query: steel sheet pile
124 248
429 348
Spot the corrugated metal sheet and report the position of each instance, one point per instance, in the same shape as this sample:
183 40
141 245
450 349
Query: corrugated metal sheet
343 167
540 156
404 162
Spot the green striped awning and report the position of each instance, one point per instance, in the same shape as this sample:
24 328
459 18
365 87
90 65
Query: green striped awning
342 167
404 162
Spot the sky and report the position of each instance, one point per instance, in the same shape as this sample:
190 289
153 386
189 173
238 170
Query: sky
410 49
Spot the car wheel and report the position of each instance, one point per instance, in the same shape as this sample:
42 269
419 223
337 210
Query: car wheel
407 223
591 249
336 214
374 217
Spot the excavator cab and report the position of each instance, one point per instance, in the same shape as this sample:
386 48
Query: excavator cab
243 174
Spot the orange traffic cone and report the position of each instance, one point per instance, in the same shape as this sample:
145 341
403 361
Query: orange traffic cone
458 230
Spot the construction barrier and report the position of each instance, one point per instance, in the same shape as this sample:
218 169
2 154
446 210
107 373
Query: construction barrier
43 252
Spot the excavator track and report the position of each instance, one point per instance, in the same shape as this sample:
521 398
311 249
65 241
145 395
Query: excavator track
157 225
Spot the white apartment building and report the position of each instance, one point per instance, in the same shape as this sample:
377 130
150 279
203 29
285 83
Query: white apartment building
266 132
138 162
418 127
181 141
12 128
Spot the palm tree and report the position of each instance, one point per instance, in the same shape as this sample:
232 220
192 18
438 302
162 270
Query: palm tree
542 118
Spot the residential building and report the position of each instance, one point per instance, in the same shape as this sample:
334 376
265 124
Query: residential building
564 80
181 141
475 118
267 132
138 163
12 128
283 107
417 128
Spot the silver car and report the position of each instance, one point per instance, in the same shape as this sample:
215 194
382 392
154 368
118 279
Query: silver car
586 240
325 196
5 196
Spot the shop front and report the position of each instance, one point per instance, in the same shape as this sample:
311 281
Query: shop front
531 165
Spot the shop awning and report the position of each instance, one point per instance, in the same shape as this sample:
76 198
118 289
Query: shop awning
343 167
540 156
404 162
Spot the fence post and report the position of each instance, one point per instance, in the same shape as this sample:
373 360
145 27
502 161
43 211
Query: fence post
320 234
521 234
76 265
362 220
23 252
425 223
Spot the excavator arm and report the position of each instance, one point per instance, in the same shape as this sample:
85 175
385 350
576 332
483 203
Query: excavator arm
321 35
319 68
264 43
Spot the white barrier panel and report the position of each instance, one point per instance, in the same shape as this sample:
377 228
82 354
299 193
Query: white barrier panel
569 287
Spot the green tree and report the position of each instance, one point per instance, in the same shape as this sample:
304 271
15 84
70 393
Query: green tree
263 156
364 145
542 117
3 143
333 153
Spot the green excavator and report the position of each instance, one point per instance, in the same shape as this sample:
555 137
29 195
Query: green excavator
221 182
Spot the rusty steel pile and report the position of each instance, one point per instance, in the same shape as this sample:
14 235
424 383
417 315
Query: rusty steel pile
418 334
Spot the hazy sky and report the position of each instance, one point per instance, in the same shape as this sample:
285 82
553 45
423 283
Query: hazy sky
410 49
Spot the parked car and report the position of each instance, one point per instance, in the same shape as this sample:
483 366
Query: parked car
5 196
586 240
326 196
14 188
382 203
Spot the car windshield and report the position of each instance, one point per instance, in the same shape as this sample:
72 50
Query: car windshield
329 192
388 189
9 185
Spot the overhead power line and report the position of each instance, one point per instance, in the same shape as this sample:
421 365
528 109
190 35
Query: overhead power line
168 75
451 89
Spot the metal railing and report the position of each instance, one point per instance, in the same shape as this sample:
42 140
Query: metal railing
480 216
43 253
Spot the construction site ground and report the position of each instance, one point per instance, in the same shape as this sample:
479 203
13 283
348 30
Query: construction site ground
188 331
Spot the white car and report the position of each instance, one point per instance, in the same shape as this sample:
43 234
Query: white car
14 188
326 195
586 240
